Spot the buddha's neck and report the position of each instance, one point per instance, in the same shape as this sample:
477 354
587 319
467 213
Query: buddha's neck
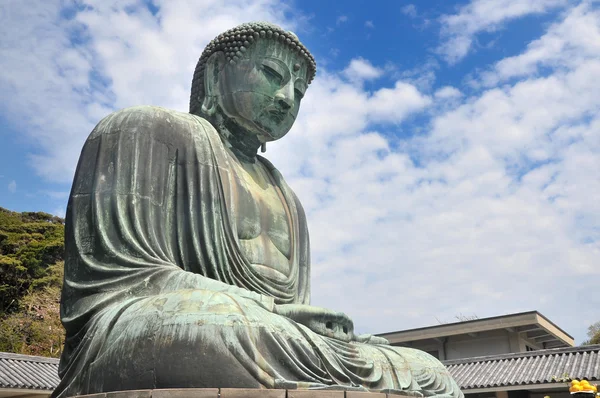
243 143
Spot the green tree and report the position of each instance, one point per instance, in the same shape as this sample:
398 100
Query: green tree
30 243
36 329
31 275
593 334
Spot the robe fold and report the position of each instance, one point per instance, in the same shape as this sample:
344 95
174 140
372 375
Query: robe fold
157 293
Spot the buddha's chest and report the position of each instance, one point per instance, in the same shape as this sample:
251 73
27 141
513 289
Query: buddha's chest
261 219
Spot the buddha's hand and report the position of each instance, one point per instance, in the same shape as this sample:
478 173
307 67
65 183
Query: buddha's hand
320 320
370 339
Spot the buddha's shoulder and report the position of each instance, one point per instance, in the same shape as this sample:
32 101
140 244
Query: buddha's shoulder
155 121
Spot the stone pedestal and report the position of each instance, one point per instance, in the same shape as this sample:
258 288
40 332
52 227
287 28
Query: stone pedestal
242 393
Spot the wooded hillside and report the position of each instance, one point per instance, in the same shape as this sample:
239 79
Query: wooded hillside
31 274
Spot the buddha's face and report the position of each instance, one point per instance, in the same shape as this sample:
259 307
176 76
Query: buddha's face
262 91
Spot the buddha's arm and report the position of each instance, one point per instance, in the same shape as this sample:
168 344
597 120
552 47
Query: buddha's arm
184 280
141 216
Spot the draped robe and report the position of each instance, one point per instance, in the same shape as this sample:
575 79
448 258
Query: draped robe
158 295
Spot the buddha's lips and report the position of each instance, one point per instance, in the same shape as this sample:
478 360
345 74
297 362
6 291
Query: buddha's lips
265 129
275 115
278 115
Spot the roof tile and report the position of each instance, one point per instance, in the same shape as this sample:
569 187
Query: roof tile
28 372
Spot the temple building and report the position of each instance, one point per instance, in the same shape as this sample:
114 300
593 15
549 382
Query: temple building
523 355
514 333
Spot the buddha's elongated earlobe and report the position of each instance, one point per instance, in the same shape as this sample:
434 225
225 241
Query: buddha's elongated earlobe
263 147
211 83
209 106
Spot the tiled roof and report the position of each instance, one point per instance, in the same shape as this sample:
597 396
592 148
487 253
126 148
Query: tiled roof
27 371
526 368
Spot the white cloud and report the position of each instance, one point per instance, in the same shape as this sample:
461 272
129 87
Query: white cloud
369 24
393 105
447 92
567 43
341 19
12 186
409 10
59 211
361 69
459 30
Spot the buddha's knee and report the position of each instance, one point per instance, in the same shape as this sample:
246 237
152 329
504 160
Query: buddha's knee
178 317
173 340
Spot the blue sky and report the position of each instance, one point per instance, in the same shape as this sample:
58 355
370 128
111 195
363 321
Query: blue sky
447 153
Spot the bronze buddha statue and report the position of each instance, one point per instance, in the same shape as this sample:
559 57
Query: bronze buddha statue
187 254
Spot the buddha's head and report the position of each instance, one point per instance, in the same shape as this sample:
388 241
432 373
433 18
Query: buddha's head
255 76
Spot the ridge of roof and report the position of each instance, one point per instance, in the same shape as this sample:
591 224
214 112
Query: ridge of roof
28 358
478 320
526 354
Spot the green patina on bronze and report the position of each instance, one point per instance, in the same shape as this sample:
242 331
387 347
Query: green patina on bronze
187 255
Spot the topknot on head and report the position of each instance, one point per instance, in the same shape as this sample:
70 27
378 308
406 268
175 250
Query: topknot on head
234 42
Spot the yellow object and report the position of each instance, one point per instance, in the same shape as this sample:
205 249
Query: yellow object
588 387
574 381
576 388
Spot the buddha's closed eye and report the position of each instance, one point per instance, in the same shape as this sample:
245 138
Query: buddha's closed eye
272 74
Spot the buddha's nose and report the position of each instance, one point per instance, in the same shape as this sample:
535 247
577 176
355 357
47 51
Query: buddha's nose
284 99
